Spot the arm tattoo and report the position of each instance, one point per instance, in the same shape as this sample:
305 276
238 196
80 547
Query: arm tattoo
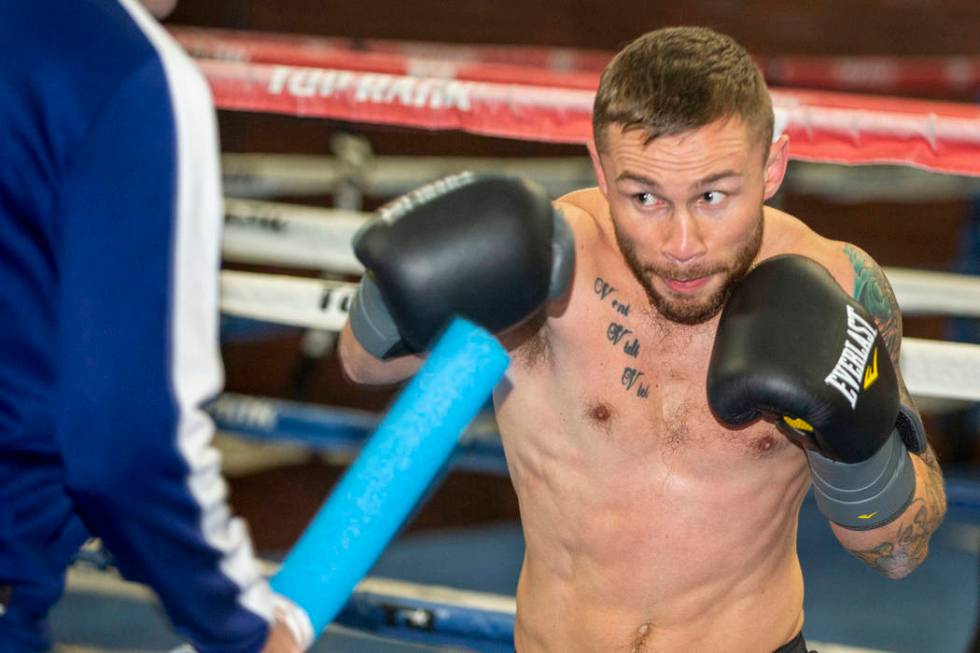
907 549
896 558
874 293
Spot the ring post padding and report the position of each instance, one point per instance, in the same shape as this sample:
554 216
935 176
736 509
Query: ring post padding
393 470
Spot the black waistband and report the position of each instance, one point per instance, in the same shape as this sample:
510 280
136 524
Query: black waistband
795 645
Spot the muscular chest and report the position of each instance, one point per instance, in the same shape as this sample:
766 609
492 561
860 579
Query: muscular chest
633 386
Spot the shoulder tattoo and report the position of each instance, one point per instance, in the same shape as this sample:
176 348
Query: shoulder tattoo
872 290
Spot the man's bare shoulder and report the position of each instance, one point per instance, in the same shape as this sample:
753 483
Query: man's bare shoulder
857 273
584 198
787 234
586 211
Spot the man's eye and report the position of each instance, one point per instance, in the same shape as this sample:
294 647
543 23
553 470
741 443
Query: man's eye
645 199
713 197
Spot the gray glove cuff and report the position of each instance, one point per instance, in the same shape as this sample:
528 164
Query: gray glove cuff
372 324
868 494
562 257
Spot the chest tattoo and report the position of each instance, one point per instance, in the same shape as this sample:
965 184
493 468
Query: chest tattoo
622 338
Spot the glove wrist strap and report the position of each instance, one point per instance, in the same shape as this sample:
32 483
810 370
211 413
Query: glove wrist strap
867 494
372 324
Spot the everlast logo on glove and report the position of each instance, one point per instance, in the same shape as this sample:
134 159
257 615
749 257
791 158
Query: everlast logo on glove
851 373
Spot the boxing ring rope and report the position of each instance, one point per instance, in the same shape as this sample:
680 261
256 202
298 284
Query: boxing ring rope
332 430
930 368
566 67
340 432
440 92
278 234
827 127
269 233
259 176
337 432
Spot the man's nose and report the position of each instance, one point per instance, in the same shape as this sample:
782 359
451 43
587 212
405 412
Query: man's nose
685 241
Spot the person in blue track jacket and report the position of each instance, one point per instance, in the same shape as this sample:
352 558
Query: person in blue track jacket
110 220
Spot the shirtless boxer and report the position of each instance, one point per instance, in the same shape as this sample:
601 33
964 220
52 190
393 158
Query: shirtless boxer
651 522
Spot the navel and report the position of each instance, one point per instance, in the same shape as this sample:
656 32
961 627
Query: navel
640 640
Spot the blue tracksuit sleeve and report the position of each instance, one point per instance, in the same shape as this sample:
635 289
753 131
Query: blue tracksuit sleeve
139 252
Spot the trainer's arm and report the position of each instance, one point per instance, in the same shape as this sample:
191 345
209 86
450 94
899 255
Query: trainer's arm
140 211
361 367
898 547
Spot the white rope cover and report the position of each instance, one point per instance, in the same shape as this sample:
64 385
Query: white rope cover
931 368
289 235
269 175
296 301
256 175
935 293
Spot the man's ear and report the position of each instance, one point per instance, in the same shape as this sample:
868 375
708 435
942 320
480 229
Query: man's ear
600 176
776 165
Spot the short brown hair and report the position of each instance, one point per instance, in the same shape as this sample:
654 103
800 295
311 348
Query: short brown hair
680 78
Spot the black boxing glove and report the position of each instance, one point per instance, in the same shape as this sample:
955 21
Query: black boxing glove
792 346
490 248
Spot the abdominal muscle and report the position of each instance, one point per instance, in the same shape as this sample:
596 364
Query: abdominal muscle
640 547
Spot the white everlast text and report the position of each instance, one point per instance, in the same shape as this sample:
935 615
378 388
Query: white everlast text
848 373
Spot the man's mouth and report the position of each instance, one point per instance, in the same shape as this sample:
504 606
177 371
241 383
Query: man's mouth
687 285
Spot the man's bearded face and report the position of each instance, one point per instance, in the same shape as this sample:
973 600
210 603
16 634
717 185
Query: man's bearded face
703 303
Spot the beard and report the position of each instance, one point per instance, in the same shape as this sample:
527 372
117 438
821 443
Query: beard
691 310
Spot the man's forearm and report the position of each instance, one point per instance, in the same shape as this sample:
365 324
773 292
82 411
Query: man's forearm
898 547
362 367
